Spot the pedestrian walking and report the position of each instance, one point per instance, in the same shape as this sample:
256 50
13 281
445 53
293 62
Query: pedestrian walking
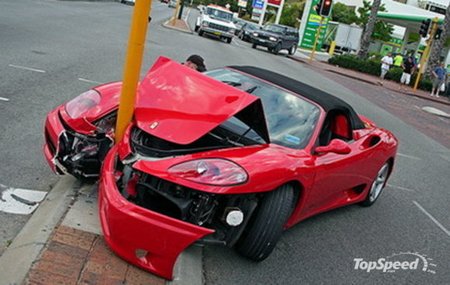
439 74
386 63
196 62
408 67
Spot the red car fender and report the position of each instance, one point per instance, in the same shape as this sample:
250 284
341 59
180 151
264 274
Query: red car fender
142 237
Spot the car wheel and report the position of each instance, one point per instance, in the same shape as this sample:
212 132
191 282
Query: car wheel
276 49
266 225
293 49
196 28
253 45
377 186
200 33
229 40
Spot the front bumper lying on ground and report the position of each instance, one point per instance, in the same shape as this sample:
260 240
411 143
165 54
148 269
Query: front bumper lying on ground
144 238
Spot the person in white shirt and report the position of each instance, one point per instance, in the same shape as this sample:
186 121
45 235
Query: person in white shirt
386 63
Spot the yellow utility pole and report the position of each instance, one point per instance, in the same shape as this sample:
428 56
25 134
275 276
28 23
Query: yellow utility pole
426 52
311 57
175 13
133 62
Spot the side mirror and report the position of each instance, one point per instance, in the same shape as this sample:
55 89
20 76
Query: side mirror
335 146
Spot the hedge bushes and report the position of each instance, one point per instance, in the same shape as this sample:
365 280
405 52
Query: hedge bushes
373 66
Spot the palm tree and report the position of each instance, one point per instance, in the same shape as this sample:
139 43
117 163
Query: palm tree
368 30
438 44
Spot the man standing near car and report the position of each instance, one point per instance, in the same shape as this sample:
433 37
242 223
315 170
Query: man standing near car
196 62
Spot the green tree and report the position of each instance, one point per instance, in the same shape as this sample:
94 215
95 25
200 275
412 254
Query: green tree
292 12
344 14
438 45
372 29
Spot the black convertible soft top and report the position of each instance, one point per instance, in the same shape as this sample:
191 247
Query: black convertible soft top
328 102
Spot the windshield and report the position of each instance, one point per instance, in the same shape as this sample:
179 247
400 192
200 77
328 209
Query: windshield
274 29
219 14
290 119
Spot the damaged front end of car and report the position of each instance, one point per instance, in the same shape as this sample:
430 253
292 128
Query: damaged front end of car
75 145
166 184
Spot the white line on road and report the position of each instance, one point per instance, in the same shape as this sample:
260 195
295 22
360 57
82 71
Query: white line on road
447 232
27 68
89 81
400 187
19 201
4 99
408 156
187 15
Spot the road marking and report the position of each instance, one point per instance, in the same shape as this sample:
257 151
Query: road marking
19 201
4 99
447 232
89 81
401 188
408 156
27 68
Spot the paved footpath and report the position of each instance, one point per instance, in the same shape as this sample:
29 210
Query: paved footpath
62 244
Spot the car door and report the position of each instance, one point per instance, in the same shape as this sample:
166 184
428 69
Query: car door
339 178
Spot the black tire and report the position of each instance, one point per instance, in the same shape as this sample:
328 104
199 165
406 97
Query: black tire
229 40
293 49
276 49
196 28
200 33
377 186
266 225
253 45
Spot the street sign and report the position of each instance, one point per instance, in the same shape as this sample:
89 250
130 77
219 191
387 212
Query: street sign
259 4
274 2
312 25
242 3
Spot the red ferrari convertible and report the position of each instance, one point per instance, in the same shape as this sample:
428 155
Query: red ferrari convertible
232 156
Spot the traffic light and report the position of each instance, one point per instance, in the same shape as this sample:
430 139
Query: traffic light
437 36
424 28
323 8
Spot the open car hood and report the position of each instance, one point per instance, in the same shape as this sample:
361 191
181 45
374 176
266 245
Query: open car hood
180 105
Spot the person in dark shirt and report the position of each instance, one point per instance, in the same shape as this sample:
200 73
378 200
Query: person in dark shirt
408 67
196 62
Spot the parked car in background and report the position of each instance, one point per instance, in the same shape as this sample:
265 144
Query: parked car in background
275 38
247 29
233 156
128 2
217 21
238 23
172 3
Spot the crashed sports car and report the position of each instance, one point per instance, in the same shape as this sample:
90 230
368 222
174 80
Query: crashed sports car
233 156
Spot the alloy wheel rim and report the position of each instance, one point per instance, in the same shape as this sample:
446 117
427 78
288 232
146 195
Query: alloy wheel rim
378 184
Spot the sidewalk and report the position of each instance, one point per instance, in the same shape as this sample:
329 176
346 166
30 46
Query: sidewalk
370 79
62 244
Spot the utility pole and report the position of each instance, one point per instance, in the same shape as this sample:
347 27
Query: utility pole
132 68
426 52
311 56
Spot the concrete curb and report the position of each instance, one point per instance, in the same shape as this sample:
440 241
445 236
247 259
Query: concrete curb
18 258
189 267
168 26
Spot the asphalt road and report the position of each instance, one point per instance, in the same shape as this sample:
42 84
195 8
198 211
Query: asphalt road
54 50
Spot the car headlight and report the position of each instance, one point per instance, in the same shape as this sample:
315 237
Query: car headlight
82 103
273 39
205 24
232 31
255 34
212 171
